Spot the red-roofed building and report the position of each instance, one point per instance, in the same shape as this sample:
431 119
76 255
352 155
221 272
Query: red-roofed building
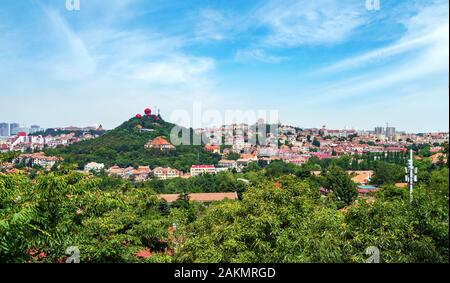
322 155
212 148
160 143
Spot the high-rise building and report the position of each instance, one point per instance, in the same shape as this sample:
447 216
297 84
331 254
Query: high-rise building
4 129
13 128
379 131
390 131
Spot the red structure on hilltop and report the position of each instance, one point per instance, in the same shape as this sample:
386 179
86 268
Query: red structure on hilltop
147 111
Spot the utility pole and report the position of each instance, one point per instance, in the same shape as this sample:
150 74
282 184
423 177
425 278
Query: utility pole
411 175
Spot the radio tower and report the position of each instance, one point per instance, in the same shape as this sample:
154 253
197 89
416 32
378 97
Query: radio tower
411 175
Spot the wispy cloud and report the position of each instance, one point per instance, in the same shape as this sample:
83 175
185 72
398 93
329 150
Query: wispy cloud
175 69
296 22
257 55
73 59
428 31
212 25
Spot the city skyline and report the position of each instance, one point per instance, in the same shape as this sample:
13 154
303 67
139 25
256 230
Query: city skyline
318 63
378 130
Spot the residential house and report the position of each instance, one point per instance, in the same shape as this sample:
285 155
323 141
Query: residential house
229 164
37 159
212 148
202 169
166 173
160 143
94 166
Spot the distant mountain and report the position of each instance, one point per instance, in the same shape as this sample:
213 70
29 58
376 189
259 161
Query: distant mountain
125 146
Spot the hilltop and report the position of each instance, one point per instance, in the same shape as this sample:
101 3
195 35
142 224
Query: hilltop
125 146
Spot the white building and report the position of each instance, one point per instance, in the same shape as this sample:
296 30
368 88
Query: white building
202 169
94 166
166 173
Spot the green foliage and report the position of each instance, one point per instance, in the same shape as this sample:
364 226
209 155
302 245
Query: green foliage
316 142
8 156
221 182
340 183
278 168
387 173
252 167
60 209
287 221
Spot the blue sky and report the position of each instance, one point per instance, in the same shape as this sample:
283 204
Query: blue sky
319 62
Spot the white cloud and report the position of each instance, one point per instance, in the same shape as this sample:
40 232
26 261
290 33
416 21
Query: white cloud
72 59
297 22
258 55
428 31
211 25
176 69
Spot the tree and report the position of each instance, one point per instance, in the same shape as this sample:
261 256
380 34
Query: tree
387 173
316 142
278 168
281 221
252 167
343 188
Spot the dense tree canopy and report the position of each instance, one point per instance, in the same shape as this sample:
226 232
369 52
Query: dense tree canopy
288 221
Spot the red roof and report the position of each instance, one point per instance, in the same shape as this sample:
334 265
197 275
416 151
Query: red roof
159 141
21 134
321 155
212 147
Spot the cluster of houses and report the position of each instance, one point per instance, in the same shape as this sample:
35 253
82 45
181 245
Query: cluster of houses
23 142
297 145
296 148
37 159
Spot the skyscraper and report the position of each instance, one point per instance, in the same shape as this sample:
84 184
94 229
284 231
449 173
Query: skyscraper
390 131
13 128
4 129
379 131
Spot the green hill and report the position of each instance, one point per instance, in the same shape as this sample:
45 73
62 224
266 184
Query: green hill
124 146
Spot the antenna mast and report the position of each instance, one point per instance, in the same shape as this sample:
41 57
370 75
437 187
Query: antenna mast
411 175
